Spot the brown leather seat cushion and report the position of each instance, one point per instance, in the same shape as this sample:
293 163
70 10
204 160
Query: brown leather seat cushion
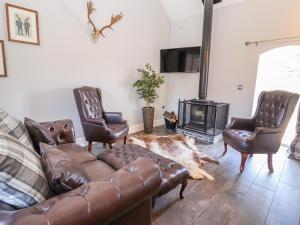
237 138
97 170
173 173
77 153
118 130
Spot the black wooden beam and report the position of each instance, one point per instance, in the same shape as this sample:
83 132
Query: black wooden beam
215 1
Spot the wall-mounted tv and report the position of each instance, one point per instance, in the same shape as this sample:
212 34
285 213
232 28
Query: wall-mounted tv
180 60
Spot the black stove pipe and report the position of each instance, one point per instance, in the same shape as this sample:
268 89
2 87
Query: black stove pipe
206 43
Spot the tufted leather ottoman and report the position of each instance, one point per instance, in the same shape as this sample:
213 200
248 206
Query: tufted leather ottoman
173 173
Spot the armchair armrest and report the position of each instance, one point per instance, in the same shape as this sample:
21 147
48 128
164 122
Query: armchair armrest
100 122
265 140
260 131
241 124
95 203
267 130
93 129
114 117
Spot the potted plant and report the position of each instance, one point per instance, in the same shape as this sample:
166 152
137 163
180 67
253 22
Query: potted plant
146 90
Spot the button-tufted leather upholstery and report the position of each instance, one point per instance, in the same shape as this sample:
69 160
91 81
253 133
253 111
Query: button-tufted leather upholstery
173 173
271 109
240 138
262 134
98 125
62 131
92 106
112 197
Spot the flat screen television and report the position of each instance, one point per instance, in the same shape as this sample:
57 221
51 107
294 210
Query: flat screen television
180 60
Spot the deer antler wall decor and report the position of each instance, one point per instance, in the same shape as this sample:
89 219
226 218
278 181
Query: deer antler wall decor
96 33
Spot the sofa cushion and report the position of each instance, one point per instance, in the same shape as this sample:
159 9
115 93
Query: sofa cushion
63 173
77 153
98 170
237 138
15 128
38 134
22 180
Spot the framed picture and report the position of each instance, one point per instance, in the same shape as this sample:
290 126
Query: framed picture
22 25
3 72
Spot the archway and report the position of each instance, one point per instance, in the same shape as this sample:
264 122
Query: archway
280 69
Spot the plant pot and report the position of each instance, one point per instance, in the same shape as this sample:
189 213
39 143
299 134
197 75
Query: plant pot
148 118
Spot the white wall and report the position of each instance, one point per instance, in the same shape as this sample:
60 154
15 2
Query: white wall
233 63
41 78
184 33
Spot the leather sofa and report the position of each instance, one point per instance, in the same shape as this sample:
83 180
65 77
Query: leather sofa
113 197
99 125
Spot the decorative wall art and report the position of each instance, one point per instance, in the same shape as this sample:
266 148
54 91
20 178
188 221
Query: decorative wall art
3 71
22 25
96 33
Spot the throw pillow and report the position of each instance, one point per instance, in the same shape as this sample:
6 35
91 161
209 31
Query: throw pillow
38 134
22 180
62 172
15 128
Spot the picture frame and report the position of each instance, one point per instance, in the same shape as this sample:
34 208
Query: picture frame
3 70
22 25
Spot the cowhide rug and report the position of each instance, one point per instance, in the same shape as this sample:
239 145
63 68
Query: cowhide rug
181 149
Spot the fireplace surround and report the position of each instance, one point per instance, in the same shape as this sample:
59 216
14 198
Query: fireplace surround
205 119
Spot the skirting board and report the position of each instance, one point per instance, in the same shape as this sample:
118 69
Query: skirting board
132 129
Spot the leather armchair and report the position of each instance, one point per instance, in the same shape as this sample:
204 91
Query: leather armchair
99 125
262 134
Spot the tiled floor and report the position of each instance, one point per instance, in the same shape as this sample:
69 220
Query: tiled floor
255 197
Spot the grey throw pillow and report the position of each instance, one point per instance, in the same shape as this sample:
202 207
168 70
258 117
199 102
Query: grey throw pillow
22 180
15 128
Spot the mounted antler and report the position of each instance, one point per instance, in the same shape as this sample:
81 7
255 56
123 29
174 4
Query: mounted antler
97 32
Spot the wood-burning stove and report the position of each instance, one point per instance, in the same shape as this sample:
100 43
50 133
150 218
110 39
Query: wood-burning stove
205 117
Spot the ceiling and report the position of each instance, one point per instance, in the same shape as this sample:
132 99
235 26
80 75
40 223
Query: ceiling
180 9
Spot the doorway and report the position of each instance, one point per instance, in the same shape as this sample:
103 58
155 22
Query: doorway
279 69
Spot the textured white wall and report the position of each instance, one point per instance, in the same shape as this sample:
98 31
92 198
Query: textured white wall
184 33
41 78
233 63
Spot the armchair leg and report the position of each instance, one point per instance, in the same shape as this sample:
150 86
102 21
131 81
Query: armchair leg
90 146
125 140
153 202
270 162
243 162
184 184
225 148
110 146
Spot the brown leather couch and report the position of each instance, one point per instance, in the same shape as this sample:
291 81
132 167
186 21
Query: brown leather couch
99 125
262 134
113 197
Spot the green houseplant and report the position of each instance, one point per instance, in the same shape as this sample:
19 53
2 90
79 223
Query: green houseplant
146 89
